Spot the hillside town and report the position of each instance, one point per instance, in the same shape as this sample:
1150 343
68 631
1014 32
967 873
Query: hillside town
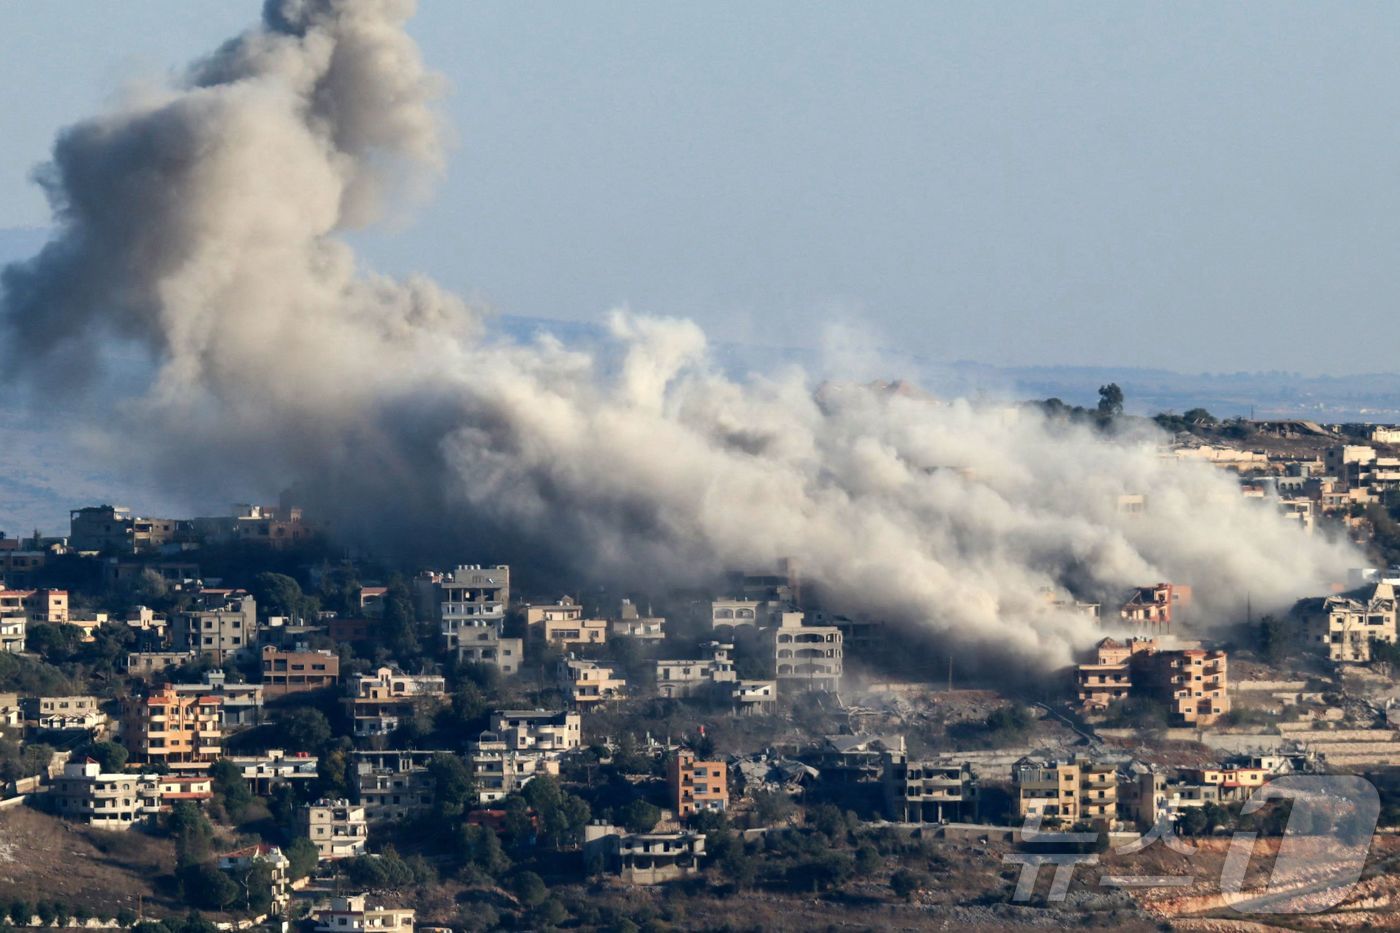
298 736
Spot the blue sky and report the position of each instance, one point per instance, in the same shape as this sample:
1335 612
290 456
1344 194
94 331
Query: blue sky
1198 187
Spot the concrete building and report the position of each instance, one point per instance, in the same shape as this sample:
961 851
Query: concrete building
588 683
538 729
13 631
221 624
114 530
42 605
754 697
632 624
241 862
471 604
1193 684
1108 678
695 785
337 828
498 771
184 732
264 772
643 858
378 702
104 801
929 791
1071 791
64 713
149 663
684 677
808 657
565 610
568 633
1343 627
299 671
11 712
240 705
393 784
739 612
356 915
1155 606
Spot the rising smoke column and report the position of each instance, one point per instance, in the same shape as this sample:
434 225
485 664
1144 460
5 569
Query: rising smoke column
198 224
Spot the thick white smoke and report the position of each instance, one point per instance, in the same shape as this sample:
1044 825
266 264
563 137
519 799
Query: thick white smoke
200 225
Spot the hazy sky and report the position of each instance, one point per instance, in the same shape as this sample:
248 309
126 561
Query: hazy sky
1189 186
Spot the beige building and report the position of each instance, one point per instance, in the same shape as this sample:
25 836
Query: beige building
929 791
184 732
304 671
1193 684
754 697
808 657
242 861
471 604
394 784
104 801
1344 627
1073 791
59 713
113 529
1108 678
35 605
684 677
632 624
643 858
356 915
221 624
338 828
587 683
12 634
378 702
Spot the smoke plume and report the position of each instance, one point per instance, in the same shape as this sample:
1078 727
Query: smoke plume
199 224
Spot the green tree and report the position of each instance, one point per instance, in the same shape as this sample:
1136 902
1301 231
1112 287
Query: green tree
303 856
529 888
639 816
1192 821
1110 400
231 787
905 882
304 729
481 848
111 756
279 595
191 832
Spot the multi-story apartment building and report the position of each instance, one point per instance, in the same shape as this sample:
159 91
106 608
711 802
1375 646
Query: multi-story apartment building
587 683
182 731
1193 683
519 745
929 791
565 610
106 801
684 677
114 530
1108 678
337 828
1072 791
1344 627
264 772
754 697
394 784
356 915
568 633
241 862
62 713
13 630
299 671
538 729
632 624
471 604
240 705
739 612
35 605
221 624
498 770
809 657
643 858
1155 605
378 702
696 786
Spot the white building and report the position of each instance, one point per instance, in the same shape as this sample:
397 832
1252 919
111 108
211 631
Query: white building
684 677
337 828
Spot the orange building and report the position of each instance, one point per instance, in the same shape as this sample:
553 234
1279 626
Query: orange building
697 785
180 730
